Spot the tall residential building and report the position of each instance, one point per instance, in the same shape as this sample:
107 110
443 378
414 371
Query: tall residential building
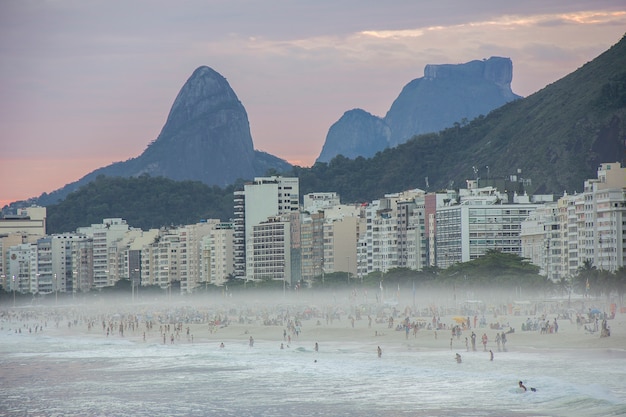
104 236
587 227
190 253
543 240
340 244
605 213
312 242
21 269
378 242
64 247
264 198
217 255
269 251
394 233
411 220
6 242
480 222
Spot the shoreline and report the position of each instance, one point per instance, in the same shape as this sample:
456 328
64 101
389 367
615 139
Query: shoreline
568 339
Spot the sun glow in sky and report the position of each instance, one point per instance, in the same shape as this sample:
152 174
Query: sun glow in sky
85 84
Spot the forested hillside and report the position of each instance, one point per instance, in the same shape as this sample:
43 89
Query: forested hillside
144 202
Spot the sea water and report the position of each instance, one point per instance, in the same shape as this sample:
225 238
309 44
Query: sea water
47 375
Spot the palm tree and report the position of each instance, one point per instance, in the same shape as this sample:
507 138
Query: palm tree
586 276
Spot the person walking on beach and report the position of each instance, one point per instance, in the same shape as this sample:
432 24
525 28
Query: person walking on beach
485 339
251 341
473 341
317 347
490 355
380 352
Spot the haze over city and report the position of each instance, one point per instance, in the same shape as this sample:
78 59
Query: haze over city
83 85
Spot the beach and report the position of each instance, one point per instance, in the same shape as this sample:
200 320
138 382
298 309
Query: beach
211 323
235 357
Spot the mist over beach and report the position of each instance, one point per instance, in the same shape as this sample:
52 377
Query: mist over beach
315 352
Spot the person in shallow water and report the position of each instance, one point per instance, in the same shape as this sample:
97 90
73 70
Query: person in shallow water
522 386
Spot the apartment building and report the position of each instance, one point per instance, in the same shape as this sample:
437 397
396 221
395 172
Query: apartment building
479 222
260 200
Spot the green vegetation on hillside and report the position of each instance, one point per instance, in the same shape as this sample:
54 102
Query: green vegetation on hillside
144 202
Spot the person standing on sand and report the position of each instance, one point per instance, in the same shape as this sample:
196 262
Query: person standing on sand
380 352
473 337
490 355
485 339
317 347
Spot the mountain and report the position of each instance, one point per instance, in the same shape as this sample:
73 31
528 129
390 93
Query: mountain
206 138
447 94
357 133
553 140
549 142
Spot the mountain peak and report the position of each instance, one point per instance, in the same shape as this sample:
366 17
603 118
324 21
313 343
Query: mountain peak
206 138
498 70
448 93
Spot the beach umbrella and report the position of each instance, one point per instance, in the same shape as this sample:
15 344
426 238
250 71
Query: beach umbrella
595 311
459 319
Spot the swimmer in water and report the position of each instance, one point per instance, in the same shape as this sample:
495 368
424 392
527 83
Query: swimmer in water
522 386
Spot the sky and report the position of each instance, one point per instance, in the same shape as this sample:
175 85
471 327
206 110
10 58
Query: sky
84 83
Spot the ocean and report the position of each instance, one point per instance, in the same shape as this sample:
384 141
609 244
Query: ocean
48 374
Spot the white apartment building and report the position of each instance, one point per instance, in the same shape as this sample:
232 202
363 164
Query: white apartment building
378 243
544 241
586 227
64 247
480 222
104 236
605 217
394 234
264 198
21 271
270 251
49 265
6 242
217 255
190 254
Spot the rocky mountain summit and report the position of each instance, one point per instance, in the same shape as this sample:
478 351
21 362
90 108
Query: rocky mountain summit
445 95
206 138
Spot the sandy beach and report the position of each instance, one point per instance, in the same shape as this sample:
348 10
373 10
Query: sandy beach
267 327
